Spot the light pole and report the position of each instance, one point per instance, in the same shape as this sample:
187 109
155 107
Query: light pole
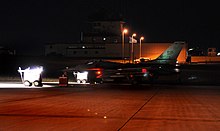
132 47
142 38
123 43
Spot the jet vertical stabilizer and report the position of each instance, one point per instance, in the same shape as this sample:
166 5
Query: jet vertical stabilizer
169 56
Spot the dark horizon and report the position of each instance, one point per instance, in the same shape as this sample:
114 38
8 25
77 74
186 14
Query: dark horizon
31 24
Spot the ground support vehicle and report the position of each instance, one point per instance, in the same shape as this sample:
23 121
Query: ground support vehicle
31 76
92 76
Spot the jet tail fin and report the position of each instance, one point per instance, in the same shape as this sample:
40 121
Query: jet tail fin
169 56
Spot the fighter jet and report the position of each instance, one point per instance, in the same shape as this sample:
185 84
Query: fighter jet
98 71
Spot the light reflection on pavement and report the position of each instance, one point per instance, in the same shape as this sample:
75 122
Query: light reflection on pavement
20 85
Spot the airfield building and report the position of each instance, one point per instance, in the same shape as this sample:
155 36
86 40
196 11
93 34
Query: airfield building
103 39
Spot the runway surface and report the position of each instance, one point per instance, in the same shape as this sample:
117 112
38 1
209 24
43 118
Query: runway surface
111 107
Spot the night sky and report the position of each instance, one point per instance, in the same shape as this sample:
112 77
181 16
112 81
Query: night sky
29 24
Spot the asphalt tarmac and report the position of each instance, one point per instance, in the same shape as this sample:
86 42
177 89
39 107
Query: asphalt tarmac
189 102
111 107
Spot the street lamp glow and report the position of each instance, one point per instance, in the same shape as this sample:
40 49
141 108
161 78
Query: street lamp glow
142 38
125 31
132 46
